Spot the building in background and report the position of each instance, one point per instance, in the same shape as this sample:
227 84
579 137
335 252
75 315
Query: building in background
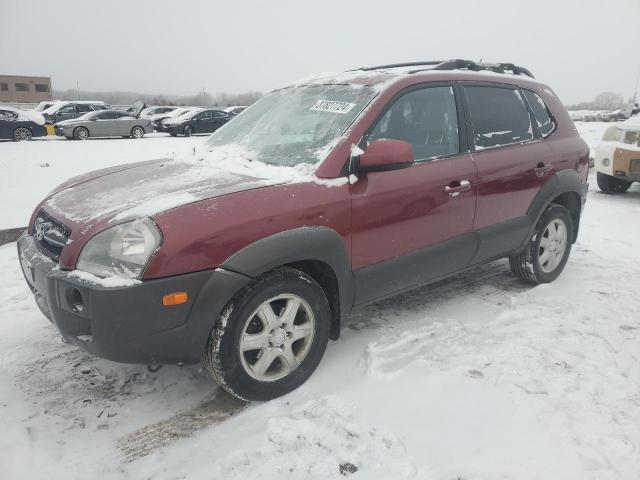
17 88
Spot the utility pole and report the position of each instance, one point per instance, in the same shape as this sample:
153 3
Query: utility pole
78 89
203 97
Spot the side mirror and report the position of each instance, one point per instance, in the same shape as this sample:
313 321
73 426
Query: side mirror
382 155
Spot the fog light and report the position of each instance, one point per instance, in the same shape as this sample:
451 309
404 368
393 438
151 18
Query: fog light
74 298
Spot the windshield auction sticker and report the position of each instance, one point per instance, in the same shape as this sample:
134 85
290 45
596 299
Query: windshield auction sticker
332 106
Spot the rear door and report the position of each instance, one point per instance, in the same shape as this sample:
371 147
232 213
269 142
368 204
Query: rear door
407 228
201 122
513 164
218 118
103 126
123 123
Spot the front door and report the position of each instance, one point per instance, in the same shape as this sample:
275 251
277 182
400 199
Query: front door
414 225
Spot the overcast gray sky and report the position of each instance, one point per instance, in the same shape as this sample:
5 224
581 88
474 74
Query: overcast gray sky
579 47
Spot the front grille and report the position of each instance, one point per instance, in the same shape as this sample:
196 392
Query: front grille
51 236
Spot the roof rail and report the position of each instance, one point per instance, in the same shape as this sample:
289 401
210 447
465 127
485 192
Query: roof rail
457 64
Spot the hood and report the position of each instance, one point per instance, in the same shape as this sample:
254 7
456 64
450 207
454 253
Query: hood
137 108
139 190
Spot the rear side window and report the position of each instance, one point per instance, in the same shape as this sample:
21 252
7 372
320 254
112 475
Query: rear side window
426 118
83 108
499 116
540 112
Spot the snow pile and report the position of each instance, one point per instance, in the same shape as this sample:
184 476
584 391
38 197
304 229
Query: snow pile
316 439
27 115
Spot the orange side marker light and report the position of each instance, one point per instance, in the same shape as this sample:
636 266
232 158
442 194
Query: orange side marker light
175 298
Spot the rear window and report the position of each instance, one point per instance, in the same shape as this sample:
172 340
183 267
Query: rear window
540 112
499 116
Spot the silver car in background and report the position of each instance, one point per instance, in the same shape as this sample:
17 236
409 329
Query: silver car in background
105 123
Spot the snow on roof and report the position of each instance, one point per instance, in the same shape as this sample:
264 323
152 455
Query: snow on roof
27 115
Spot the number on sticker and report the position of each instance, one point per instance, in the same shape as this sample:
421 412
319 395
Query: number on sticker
332 106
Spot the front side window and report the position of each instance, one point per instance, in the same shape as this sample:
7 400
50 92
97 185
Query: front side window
540 112
67 109
295 125
499 116
83 108
426 118
22 87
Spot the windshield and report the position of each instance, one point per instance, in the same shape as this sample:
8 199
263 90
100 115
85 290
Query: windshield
295 125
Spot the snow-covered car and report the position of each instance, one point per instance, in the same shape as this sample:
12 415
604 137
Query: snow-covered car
160 124
327 195
20 124
617 157
151 112
60 111
235 110
196 121
44 105
105 123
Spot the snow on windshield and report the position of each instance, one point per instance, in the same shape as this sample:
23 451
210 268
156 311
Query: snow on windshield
293 126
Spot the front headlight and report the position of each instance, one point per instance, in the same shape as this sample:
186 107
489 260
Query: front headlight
123 250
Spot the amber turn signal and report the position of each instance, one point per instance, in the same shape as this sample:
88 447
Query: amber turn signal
176 298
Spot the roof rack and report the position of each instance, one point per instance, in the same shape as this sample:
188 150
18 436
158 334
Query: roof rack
457 64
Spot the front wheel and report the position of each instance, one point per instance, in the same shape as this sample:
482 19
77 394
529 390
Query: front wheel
546 255
609 184
188 131
271 336
21 133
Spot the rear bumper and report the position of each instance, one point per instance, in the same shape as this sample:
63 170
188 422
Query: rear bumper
129 324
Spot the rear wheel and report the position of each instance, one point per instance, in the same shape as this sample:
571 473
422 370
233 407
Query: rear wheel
547 253
188 131
81 133
609 184
271 336
137 132
21 133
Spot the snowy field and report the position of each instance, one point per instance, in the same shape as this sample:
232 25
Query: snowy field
477 377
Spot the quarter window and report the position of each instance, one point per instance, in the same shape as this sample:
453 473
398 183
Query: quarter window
499 116
22 87
425 118
540 112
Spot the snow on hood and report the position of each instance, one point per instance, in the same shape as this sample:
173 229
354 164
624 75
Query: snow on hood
149 188
632 123
27 115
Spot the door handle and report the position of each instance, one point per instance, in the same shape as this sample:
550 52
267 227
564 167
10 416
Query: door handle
454 188
542 168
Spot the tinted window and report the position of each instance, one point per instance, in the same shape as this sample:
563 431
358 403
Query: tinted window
7 115
218 114
22 87
42 87
83 108
122 115
67 109
106 115
499 116
4 86
204 115
540 112
425 118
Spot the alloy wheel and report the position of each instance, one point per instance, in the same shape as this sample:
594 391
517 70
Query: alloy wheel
22 134
552 245
277 337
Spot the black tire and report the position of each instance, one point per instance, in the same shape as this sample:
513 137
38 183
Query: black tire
222 357
612 185
527 265
22 134
173 134
187 130
81 133
137 132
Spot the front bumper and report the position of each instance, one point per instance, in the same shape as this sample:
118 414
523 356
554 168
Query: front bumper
129 324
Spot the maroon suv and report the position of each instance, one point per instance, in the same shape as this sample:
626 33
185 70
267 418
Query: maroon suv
323 196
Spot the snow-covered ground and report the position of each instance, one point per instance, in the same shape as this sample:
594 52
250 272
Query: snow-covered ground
476 377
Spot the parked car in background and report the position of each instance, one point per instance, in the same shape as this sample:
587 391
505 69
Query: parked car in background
321 197
199 120
157 118
235 110
20 125
151 111
617 157
60 111
105 123
44 105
